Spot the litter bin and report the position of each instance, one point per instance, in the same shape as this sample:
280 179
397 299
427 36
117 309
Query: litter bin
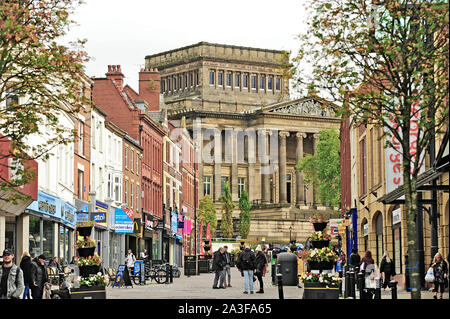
189 265
288 268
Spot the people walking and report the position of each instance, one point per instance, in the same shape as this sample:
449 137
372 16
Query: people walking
11 277
246 264
130 260
261 263
355 259
218 267
440 271
25 265
227 268
54 264
387 268
367 260
39 276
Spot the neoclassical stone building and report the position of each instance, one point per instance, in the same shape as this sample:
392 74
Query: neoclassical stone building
247 131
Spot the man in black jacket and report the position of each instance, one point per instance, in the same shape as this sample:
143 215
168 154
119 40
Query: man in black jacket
218 265
247 265
227 268
355 259
38 276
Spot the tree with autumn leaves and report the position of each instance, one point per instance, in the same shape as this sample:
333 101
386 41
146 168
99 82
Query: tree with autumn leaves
40 79
385 63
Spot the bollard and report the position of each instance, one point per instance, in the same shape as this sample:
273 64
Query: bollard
340 284
280 286
393 286
378 288
352 285
361 285
167 274
347 284
171 273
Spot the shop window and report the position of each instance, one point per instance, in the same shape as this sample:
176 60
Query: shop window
34 238
48 239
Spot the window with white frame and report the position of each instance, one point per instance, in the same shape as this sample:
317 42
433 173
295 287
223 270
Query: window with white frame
262 82
207 185
229 80
278 84
132 161
137 163
117 188
253 82
137 197
245 81
126 157
270 83
241 186
220 79
93 135
237 80
110 186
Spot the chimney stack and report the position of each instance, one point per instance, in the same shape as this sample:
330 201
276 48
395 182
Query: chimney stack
115 74
149 87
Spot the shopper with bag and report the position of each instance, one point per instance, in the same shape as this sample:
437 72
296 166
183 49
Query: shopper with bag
387 267
440 272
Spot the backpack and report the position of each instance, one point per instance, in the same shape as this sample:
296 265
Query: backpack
246 262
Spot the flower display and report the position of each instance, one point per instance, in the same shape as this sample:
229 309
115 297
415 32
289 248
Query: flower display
318 235
86 224
92 280
319 255
317 218
332 280
89 261
85 243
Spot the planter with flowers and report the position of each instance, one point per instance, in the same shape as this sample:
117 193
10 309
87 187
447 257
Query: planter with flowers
321 286
319 282
85 228
91 283
319 239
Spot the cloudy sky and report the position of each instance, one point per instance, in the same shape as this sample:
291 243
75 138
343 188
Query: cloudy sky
124 32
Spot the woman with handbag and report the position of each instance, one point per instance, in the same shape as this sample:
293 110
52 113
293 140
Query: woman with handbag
440 270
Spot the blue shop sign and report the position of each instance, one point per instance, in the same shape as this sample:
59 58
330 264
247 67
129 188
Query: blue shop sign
68 213
123 222
174 223
82 217
46 204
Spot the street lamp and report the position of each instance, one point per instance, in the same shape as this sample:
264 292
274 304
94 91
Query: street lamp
290 232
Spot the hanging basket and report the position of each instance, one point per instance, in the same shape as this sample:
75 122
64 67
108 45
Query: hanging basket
86 252
320 226
84 231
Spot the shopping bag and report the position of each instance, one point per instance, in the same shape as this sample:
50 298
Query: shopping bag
429 277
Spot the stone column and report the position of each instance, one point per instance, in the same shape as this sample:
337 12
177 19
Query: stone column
234 167
299 175
265 165
283 190
316 139
217 164
253 178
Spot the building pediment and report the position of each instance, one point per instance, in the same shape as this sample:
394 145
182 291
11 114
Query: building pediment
305 106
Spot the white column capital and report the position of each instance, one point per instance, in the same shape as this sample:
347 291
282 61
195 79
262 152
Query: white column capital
283 134
300 135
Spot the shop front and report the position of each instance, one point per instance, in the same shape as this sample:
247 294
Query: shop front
51 226
150 236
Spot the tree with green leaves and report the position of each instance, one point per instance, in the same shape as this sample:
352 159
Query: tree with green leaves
207 213
244 215
226 224
383 63
40 79
323 169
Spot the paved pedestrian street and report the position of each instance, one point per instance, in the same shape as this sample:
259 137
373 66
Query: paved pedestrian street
200 287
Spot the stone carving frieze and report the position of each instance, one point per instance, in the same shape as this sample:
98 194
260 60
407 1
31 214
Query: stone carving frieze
309 107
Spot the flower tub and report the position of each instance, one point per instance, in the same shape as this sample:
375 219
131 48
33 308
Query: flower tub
320 226
320 265
84 231
91 292
320 243
317 290
86 252
85 271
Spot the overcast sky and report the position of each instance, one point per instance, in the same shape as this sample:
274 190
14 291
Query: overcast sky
124 32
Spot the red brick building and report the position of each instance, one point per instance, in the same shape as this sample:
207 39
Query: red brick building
133 112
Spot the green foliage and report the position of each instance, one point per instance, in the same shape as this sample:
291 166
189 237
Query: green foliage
207 213
226 224
383 63
244 216
40 81
323 170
